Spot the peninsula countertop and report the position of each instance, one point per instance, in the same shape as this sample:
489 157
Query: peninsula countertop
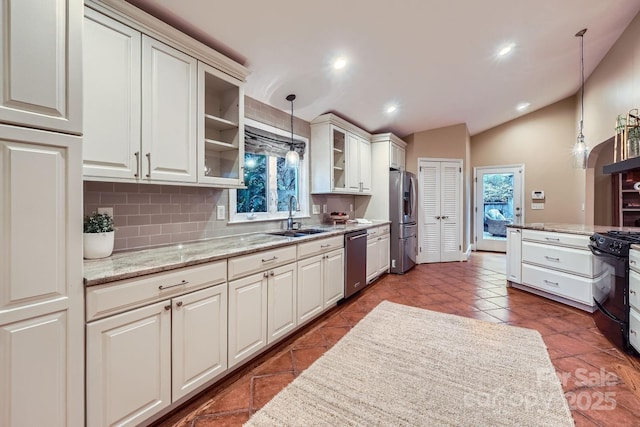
571 228
134 263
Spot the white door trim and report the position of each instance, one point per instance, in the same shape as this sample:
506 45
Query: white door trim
518 195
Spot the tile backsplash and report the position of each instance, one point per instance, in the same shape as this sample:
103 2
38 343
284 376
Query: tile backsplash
148 215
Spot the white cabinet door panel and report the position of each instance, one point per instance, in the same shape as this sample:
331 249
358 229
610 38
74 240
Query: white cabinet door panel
129 366
169 97
310 282
112 98
514 255
41 75
333 277
281 315
33 362
247 317
365 165
199 338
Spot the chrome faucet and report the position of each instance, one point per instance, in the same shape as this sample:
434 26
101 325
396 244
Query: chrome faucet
290 221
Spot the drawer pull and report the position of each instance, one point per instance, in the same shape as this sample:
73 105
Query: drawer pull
162 287
550 258
324 246
549 282
270 259
631 331
631 261
552 239
631 291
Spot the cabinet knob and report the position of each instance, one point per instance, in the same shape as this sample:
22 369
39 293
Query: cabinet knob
167 307
265 274
179 304
272 274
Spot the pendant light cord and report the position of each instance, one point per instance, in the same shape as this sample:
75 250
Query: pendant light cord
581 35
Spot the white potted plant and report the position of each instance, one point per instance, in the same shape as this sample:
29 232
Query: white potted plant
98 235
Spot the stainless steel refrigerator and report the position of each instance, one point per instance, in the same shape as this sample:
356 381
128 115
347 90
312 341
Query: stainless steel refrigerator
403 213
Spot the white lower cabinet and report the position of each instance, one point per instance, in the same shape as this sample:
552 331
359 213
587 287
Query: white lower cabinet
261 310
514 255
377 252
559 266
199 339
320 283
129 366
153 340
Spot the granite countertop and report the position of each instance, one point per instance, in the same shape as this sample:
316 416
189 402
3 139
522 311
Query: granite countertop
129 264
583 229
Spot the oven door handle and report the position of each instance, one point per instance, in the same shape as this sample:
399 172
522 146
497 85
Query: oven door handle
607 313
598 252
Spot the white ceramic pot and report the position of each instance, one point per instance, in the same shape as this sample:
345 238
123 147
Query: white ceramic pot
98 245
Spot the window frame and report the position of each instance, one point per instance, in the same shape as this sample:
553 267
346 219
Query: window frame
302 210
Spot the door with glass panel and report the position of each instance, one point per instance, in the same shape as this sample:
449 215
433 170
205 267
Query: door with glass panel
498 203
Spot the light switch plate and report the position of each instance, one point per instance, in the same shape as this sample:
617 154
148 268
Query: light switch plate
220 213
537 205
316 209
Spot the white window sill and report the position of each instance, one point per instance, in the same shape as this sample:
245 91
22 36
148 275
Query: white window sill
245 220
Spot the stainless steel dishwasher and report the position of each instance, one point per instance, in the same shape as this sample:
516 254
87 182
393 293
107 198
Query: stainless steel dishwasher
355 261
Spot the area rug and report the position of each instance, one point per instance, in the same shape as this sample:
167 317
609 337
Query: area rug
407 366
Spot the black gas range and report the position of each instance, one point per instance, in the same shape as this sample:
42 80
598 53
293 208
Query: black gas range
611 294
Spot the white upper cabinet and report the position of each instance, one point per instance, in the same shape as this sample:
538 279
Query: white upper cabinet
159 105
169 80
220 128
341 157
112 98
41 73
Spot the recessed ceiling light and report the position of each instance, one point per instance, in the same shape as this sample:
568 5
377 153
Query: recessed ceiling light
523 106
340 63
391 108
504 50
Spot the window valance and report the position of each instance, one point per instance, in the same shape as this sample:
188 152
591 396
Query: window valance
260 141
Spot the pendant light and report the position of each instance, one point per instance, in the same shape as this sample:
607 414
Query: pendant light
580 149
292 157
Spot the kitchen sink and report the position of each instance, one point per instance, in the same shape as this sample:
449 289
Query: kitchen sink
298 233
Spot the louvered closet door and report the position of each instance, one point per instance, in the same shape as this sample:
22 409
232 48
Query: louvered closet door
450 212
439 194
430 215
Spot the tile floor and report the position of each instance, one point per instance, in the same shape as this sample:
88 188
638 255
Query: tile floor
584 359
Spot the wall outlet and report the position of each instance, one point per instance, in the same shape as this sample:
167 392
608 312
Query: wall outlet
324 208
315 209
108 211
350 207
220 213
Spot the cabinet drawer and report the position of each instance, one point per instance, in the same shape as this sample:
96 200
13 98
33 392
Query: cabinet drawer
111 298
575 261
248 264
572 240
319 246
634 260
557 283
373 232
634 289
384 229
634 329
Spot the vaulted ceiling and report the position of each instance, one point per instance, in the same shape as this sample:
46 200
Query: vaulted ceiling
436 60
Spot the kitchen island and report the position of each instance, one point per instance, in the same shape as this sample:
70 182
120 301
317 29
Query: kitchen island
553 260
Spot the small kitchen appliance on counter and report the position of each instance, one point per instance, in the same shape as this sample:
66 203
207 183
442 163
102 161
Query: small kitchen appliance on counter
612 295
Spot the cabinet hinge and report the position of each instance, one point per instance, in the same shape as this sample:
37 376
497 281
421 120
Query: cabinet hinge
475 179
420 249
460 170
